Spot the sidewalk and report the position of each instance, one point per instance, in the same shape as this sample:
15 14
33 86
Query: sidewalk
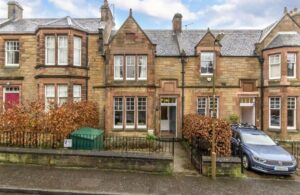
85 181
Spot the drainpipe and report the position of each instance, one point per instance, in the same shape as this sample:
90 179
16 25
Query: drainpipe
261 61
183 61
87 70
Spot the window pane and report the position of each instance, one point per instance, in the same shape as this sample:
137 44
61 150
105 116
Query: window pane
291 64
12 53
76 93
202 106
62 94
50 50
77 51
275 118
211 102
274 66
291 118
142 113
142 61
118 67
130 67
49 96
118 112
62 50
207 61
130 111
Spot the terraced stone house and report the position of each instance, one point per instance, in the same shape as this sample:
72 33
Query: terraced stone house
147 80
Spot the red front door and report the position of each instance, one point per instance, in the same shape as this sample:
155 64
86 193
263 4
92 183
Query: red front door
11 99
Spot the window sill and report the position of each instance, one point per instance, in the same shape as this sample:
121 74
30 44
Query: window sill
11 67
129 130
62 66
206 75
272 129
294 130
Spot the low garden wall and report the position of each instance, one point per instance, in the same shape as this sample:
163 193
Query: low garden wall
88 159
226 166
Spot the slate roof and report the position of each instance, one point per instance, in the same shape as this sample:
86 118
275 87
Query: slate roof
284 40
21 26
234 43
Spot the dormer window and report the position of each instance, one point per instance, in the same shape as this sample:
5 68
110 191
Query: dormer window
291 65
207 63
275 66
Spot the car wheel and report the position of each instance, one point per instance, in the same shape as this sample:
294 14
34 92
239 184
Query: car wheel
246 162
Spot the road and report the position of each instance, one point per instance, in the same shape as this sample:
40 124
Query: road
46 179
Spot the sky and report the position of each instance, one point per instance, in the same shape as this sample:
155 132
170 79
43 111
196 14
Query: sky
158 14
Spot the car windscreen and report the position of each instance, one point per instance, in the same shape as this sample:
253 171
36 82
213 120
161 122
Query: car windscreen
257 139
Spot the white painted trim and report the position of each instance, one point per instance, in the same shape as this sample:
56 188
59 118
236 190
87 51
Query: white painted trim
270 126
274 78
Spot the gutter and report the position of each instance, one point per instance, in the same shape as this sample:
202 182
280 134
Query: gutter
261 61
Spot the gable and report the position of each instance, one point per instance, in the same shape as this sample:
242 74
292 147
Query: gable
286 24
130 34
207 43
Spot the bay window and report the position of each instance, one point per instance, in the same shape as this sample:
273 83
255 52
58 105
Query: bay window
291 65
207 63
50 50
275 66
142 112
275 116
76 93
118 67
118 112
49 96
77 51
62 94
291 113
142 67
130 112
62 50
12 53
130 67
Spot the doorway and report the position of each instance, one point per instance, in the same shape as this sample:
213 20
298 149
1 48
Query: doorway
247 107
168 115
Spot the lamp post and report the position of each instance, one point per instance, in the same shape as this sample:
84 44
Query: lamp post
214 115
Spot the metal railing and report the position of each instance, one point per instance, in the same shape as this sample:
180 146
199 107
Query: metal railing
31 139
122 144
139 144
293 147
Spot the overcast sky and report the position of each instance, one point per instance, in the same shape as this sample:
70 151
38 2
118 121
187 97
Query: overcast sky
153 14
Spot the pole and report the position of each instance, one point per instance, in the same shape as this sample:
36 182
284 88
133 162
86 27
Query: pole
213 148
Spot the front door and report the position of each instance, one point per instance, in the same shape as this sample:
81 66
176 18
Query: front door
168 115
11 97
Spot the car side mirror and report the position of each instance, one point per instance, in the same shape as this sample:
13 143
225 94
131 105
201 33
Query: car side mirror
238 141
276 142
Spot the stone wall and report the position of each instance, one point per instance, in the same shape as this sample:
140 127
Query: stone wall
88 159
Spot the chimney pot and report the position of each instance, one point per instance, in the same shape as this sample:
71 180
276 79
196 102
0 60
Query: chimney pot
285 11
15 10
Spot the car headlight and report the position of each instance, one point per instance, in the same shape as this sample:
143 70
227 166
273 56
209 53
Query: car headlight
294 160
260 160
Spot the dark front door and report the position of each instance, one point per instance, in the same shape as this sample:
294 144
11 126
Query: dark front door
11 99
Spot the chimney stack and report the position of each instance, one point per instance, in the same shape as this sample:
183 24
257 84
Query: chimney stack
177 23
15 10
296 15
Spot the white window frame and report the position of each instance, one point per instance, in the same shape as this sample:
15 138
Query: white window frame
275 127
202 60
295 112
118 110
77 51
144 59
200 105
143 110
47 104
77 93
210 105
48 48
295 65
132 57
274 64
59 95
120 67
65 47
129 110
16 48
